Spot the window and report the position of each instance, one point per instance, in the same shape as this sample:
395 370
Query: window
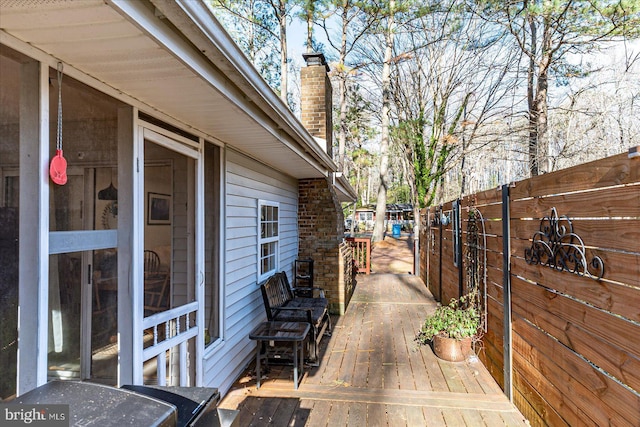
269 238
366 216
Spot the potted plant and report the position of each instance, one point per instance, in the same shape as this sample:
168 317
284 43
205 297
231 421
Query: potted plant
452 328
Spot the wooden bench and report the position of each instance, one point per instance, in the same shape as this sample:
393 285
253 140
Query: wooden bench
281 304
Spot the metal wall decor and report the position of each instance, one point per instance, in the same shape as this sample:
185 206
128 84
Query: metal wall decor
558 247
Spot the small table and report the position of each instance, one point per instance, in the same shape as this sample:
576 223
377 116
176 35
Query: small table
295 332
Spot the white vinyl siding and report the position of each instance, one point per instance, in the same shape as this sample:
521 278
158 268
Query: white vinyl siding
247 182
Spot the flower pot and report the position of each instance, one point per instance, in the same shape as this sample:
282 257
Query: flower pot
452 349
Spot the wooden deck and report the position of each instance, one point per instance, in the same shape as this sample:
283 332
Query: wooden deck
372 373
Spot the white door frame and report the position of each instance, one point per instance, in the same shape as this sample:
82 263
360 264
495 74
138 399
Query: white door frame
193 150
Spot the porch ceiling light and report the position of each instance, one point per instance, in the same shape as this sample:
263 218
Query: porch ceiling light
109 193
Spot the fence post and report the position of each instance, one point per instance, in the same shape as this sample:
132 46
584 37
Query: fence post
439 212
457 246
507 348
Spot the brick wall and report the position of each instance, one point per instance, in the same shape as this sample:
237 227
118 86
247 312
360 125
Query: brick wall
321 231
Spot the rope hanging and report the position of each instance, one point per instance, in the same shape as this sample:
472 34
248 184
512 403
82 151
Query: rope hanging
58 166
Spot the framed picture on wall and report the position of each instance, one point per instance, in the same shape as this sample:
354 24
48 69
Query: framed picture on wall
158 209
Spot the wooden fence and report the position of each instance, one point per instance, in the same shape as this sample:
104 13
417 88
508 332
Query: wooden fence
567 347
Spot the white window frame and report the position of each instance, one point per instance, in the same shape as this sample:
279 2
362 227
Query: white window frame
273 239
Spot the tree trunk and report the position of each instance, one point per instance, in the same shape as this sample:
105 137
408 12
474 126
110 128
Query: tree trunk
531 101
541 99
282 20
310 14
342 87
381 206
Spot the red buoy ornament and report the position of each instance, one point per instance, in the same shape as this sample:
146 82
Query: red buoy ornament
58 168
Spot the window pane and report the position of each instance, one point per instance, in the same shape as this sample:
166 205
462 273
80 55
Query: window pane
265 250
268 257
89 199
169 233
68 274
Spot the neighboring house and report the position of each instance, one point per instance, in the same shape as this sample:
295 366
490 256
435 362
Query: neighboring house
395 214
188 183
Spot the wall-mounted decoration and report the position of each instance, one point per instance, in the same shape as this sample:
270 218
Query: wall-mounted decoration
158 209
110 215
558 247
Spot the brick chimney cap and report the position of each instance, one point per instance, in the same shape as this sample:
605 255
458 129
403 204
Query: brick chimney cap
315 58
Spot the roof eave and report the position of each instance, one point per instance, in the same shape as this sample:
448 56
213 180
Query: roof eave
207 29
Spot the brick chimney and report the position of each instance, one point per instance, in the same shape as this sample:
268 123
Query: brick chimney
320 218
316 103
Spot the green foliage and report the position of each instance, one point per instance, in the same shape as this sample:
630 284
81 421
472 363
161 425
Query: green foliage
399 193
460 319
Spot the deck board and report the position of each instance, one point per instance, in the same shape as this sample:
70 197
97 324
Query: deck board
373 373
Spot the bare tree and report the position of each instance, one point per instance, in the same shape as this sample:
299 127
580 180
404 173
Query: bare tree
354 23
271 17
545 31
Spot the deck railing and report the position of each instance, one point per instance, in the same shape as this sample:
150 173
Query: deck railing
361 247
169 329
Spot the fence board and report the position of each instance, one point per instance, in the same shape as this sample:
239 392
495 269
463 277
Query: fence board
491 358
493 342
611 202
621 267
493 195
491 228
618 266
599 397
619 299
434 264
617 362
612 171
540 411
491 212
494 259
552 398
621 235
615 329
611 359
494 276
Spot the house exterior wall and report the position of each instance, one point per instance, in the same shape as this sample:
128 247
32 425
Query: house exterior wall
230 115
321 224
247 181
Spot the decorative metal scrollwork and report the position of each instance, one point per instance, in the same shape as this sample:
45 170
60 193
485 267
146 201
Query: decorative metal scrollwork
558 247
